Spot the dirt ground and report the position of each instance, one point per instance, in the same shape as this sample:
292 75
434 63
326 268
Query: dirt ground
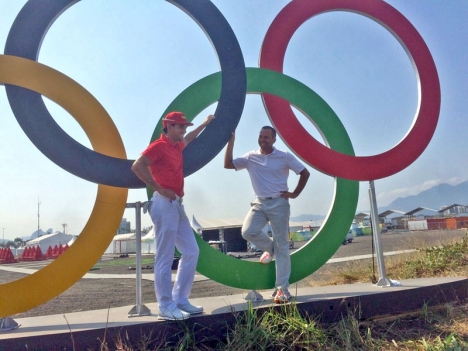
92 294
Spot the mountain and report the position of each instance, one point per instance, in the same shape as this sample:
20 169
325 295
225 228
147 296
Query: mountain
435 198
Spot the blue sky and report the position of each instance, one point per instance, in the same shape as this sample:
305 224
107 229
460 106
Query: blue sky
136 57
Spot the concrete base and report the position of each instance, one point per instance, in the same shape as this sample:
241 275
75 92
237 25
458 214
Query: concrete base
86 330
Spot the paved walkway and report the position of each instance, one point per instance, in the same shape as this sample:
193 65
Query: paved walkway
145 276
116 318
198 277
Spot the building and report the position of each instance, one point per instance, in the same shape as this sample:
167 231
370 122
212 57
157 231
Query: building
223 232
124 227
454 210
227 233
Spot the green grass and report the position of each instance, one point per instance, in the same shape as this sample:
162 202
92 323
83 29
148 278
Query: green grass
449 259
439 260
126 261
287 328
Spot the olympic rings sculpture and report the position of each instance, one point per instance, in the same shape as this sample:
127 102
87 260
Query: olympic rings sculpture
107 164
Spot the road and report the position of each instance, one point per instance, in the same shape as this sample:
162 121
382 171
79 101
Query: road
396 241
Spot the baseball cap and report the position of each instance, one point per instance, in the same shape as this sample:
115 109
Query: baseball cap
175 118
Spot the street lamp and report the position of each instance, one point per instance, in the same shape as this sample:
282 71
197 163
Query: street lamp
3 242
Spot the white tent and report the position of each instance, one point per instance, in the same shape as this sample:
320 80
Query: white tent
51 240
195 225
148 245
40 232
73 239
126 243
122 243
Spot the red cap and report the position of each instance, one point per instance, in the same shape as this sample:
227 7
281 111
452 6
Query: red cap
175 118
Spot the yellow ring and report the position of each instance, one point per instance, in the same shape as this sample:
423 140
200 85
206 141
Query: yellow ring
49 282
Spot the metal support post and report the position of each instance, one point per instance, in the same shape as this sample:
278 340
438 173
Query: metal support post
8 324
222 244
253 296
139 309
383 280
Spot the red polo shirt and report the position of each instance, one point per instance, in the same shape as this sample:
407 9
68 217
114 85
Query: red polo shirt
167 163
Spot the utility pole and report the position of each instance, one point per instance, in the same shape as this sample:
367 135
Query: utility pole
38 204
3 242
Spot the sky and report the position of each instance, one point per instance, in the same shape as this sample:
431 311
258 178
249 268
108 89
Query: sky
135 57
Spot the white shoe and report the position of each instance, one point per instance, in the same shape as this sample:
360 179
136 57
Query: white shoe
282 296
266 258
189 308
174 315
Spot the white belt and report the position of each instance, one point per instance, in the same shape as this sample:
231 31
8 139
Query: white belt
268 197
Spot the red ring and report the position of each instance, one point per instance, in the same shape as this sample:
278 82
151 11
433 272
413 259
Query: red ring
323 158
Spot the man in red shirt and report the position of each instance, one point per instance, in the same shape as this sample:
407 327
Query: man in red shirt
160 166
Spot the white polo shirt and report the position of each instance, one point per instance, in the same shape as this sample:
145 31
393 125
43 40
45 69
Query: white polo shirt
268 173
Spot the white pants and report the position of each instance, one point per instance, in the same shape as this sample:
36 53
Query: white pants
173 230
276 211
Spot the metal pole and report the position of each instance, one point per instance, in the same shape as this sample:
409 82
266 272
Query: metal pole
139 309
383 280
138 252
7 323
38 204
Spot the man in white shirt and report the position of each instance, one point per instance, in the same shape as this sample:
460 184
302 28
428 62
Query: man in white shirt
269 168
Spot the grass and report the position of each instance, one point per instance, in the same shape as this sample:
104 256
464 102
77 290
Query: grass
449 259
287 328
127 261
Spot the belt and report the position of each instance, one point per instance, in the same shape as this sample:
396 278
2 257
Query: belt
177 197
269 197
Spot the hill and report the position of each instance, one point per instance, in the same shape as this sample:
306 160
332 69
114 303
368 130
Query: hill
435 198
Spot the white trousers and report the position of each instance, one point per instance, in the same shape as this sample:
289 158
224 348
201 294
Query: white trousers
276 211
173 230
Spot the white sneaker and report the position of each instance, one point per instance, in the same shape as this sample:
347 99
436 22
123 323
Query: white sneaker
189 308
266 258
174 315
282 296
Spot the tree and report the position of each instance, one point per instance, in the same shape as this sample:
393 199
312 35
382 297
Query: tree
18 242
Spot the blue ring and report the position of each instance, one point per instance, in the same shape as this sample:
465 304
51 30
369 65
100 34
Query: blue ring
25 39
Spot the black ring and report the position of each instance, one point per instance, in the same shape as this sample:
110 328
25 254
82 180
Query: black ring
25 39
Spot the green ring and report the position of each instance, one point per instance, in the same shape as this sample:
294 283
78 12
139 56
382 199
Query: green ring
237 273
